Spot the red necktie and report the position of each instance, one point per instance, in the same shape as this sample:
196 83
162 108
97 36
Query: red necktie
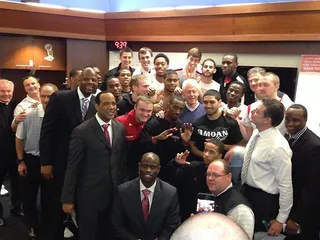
145 204
227 80
106 132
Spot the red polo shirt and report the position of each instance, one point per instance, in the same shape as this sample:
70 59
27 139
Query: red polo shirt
133 128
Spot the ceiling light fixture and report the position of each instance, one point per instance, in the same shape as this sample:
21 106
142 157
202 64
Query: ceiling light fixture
44 5
158 9
86 10
191 7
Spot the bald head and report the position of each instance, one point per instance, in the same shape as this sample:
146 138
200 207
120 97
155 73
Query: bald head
213 226
150 156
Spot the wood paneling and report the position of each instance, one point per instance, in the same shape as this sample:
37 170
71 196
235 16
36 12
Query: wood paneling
59 54
81 53
15 51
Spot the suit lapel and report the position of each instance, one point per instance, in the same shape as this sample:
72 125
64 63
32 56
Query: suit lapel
156 202
114 133
97 130
91 109
76 106
136 203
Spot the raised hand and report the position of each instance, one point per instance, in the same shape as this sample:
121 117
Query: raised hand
186 132
165 134
181 158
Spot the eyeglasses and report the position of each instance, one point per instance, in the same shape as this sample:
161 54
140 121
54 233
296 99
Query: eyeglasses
214 175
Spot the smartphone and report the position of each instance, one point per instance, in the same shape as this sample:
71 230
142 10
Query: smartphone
205 203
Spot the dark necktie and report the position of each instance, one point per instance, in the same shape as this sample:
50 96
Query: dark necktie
106 132
145 204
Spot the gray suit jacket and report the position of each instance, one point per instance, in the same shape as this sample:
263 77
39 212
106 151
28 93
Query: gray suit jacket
95 169
127 215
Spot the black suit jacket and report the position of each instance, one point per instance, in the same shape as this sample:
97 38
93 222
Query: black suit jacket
7 136
95 169
305 180
62 115
127 215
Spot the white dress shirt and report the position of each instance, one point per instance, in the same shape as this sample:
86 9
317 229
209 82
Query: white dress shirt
151 189
101 122
270 168
81 98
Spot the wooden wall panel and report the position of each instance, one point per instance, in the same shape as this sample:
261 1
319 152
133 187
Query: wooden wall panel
14 21
81 53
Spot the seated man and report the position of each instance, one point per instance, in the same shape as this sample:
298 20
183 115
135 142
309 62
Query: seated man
212 226
189 177
229 201
146 207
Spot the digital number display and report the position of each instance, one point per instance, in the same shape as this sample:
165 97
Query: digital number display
120 44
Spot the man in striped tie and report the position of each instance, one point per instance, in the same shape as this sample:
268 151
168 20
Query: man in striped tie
266 171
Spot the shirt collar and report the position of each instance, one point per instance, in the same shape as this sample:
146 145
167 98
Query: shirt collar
101 122
230 186
151 189
297 135
31 99
81 96
266 133
192 109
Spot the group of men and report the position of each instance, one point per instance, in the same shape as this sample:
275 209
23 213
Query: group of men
128 161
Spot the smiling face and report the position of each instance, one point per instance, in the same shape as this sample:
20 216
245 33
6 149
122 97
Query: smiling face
217 179
211 104
107 107
88 82
31 86
295 120
6 91
191 94
160 66
234 93
149 168
146 60
267 87
126 58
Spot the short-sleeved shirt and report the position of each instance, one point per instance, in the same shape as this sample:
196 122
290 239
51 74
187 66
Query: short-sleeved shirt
224 128
29 130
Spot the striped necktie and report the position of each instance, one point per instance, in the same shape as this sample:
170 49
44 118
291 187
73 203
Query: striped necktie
247 159
84 110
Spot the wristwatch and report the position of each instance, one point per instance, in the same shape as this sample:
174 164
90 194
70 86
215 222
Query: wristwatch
19 161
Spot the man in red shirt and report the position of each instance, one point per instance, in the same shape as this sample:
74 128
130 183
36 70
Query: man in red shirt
133 123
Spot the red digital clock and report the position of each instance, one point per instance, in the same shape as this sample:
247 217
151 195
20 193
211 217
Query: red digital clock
120 44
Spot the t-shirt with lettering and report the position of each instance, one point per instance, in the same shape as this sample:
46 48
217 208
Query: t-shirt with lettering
223 128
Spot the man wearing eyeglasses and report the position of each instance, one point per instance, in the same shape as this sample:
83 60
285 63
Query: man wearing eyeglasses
228 200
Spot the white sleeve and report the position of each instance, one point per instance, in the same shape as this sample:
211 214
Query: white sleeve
244 216
281 164
21 131
17 110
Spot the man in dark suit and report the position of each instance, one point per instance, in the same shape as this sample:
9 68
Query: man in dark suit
305 146
95 168
146 208
65 111
7 138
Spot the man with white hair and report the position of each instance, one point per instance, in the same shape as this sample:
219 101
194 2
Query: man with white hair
7 149
193 109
